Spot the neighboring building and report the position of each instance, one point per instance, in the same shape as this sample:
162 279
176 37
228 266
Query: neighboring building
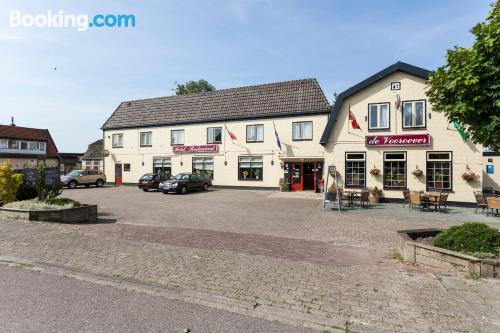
491 170
70 161
188 133
27 147
399 133
93 157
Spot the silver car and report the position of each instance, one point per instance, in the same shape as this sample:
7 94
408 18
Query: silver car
84 177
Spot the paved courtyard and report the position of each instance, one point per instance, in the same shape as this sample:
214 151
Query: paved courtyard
266 254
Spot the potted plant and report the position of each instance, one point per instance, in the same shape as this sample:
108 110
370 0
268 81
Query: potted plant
245 174
469 176
438 180
375 195
401 180
257 174
417 172
321 185
375 171
331 194
284 185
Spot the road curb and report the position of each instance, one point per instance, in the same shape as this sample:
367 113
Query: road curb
253 309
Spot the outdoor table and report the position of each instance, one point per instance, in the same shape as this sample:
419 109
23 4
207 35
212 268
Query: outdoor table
431 198
351 195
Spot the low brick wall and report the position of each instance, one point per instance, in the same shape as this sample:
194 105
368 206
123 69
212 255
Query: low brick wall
420 253
86 213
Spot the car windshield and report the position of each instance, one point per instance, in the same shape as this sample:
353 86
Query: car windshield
74 173
182 176
147 177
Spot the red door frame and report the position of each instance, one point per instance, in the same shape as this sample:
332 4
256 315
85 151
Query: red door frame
297 186
118 178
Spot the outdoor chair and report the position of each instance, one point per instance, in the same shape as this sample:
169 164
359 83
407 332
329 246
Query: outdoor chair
417 202
364 199
406 198
443 202
493 204
480 201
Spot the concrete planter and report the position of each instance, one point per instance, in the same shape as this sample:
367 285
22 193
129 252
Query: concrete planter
419 253
84 213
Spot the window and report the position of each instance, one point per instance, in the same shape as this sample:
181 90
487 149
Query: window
255 133
42 146
118 140
92 165
439 173
378 116
126 167
214 135
162 165
13 144
24 145
4 144
302 131
395 170
177 137
204 165
414 114
250 167
146 139
355 169
33 145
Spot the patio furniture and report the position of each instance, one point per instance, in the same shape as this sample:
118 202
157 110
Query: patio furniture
433 197
443 201
417 201
480 201
493 203
364 199
406 197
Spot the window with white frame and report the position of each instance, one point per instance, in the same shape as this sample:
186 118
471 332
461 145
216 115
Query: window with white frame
146 139
378 116
204 165
394 170
439 172
255 133
162 165
355 169
250 167
302 131
177 137
118 140
92 165
4 144
414 114
13 144
214 135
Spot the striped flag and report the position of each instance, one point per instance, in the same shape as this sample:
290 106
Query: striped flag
233 137
278 141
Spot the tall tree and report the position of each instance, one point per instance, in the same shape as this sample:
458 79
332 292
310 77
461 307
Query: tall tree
191 87
467 88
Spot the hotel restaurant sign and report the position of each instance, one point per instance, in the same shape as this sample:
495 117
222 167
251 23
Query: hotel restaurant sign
195 149
398 140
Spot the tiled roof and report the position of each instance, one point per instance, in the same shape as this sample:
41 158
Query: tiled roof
266 100
94 151
34 134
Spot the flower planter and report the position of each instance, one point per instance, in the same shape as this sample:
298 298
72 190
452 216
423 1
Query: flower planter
417 252
84 213
373 199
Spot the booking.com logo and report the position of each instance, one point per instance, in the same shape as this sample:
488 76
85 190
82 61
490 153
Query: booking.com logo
80 22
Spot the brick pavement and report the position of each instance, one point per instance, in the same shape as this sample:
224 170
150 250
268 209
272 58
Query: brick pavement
330 265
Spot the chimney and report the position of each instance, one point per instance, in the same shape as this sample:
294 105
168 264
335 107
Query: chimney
12 121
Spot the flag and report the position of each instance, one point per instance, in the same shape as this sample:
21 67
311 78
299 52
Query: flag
354 122
460 130
233 137
278 141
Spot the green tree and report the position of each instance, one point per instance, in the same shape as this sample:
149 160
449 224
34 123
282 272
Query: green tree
9 183
467 89
191 87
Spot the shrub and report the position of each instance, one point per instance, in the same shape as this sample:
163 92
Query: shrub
43 191
62 202
470 238
35 205
9 183
25 192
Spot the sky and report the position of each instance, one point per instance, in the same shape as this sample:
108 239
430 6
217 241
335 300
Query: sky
70 81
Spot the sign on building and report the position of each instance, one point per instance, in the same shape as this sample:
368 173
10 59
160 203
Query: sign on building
398 140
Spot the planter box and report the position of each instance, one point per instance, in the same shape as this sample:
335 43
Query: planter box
84 213
419 253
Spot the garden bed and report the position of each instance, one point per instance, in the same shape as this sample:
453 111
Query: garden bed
415 246
83 213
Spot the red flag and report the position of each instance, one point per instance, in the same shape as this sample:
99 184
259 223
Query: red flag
233 137
354 122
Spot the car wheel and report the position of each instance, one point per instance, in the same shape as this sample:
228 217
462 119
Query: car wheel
72 184
205 187
184 190
145 189
99 183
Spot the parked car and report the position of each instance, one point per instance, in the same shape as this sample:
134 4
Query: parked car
187 182
84 177
151 181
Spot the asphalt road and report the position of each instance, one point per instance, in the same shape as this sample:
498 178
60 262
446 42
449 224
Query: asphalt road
32 301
